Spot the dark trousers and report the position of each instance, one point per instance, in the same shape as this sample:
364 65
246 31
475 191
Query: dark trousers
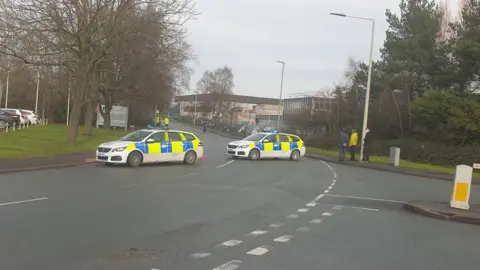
352 152
341 152
366 153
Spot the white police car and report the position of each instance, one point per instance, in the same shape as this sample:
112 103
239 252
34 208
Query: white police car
268 145
151 146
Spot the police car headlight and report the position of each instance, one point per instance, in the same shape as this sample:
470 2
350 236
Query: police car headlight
119 149
243 146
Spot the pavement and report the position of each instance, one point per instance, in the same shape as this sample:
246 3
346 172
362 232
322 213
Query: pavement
227 214
442 210
41 163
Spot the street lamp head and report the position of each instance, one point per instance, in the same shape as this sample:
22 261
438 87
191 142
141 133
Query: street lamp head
338 14
281 62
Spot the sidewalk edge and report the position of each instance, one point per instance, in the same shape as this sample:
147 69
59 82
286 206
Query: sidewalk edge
46 167
437 215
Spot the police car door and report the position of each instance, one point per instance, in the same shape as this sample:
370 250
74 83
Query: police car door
157 148
284 145
176 146
268 146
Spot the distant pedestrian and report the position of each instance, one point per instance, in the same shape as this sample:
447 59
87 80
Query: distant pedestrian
158 121
353 144
367 146
166 122
343 145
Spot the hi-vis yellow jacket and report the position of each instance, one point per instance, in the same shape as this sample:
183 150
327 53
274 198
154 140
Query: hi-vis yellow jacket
353 139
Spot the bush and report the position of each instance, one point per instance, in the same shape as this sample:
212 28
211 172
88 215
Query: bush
413 150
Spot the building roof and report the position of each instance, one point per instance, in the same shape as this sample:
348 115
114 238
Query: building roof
231 98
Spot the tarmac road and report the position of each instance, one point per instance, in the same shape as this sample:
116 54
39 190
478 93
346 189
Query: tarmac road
224 214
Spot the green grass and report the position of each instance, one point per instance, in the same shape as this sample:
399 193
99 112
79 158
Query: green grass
51 140
403 163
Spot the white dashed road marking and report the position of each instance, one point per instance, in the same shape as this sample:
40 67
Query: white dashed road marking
231 265
220 166
259 251
24 201
337 207
283 239
326 191
275 225
302 210
319 197
230 243
365 198
310 204
303 229
316 221
200 255
327 214
292 216
330 167
257 233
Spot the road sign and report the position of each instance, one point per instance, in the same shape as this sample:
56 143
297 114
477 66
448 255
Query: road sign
476 165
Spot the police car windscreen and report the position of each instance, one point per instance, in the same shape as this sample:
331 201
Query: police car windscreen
255 137
136 136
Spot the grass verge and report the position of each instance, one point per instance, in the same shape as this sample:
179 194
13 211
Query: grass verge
384 160
51 140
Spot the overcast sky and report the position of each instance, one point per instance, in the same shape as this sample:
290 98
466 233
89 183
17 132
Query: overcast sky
251 35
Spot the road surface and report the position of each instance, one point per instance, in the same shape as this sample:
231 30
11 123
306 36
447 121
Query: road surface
224 214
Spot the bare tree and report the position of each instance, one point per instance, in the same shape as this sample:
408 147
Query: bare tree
218 85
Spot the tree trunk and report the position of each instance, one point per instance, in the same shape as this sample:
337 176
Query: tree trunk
89 117
72 130
106 118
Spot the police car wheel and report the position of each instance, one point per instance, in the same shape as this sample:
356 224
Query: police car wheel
135 159
190 158
295 155
254 154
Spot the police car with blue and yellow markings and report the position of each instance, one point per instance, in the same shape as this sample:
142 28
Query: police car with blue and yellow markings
151 146
268 145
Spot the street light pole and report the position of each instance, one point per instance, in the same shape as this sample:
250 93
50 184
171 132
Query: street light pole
6 90
369 77
195 110
280 99
36 98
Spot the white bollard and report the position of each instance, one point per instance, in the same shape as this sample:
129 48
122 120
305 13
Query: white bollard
461 187
6 129
394 158
14 126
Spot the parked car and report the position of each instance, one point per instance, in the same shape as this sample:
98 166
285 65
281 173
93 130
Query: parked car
8 118
23 119
32 118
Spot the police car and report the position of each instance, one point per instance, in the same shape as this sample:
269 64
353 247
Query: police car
268 145
151 146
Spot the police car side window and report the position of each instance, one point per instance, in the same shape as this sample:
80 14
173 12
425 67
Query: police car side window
188 137
271 138
159 137
295 139
174 136
284 138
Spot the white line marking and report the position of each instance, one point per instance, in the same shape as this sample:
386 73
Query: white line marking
257 233
275 225
200 255
365 198
224 164
283 239
330 187
184 176
326 191
24 201
338 207
334 181
292 216
259 251
319 197
230 243
303 229
316 221
310 204
330 167
327 214
231 265
302 210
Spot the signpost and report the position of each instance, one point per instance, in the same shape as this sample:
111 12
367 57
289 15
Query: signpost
118 117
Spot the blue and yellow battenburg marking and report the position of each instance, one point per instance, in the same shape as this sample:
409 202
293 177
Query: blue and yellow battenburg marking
165 147
277 146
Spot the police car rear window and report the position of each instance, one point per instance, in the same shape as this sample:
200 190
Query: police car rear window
295 139
188 137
